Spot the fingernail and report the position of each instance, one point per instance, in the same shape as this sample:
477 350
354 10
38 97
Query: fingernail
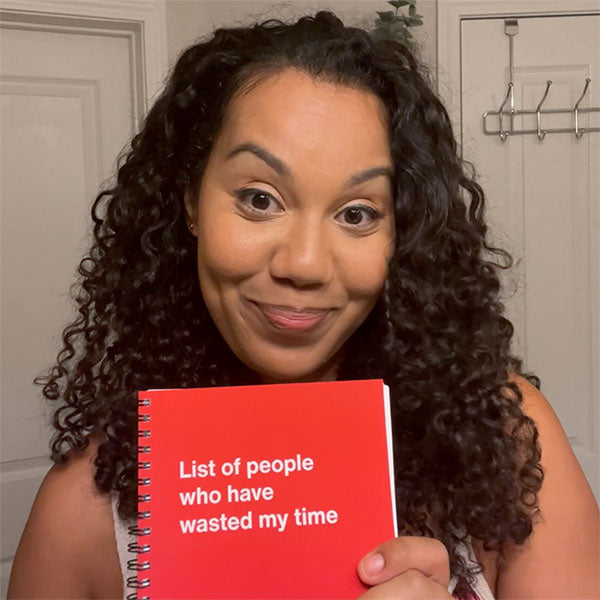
373 564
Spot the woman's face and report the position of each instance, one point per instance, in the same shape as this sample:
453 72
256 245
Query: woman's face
295 225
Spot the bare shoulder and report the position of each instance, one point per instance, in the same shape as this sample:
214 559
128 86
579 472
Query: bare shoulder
68 547
561 557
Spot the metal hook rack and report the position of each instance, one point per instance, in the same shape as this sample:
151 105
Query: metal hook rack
511 28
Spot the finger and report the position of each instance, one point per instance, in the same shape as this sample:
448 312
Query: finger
427 555
411 584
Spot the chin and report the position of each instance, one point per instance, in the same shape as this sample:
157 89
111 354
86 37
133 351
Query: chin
290 370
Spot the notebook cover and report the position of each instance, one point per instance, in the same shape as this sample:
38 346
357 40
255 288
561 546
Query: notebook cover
271 491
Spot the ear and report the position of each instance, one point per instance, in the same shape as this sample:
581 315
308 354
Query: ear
191 211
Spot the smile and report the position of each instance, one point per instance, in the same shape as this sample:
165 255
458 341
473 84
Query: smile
285 318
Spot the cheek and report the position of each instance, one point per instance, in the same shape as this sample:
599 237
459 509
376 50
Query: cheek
228 251
364 272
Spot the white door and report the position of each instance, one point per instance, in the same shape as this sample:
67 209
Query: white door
544 202
70 99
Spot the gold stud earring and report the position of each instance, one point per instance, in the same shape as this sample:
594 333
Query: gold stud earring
191 227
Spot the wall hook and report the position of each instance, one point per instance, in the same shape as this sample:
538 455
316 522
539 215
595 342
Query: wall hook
538 115
580 132
509 94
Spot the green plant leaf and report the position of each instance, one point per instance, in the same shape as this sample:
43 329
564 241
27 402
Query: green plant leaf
395 26
398 32
386 16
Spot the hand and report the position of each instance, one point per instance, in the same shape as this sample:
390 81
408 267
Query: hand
406 568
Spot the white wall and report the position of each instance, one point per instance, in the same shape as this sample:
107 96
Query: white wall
190 19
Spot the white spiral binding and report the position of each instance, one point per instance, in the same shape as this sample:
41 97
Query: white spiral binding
135 564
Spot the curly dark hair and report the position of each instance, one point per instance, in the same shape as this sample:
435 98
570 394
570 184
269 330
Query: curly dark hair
467 458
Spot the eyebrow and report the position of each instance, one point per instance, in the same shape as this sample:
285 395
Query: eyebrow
278 165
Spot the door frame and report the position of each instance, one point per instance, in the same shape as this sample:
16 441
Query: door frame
449 17
143 20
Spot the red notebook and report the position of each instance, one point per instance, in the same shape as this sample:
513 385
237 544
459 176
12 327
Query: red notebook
271 491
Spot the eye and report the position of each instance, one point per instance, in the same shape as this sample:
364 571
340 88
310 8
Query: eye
359 216
257 202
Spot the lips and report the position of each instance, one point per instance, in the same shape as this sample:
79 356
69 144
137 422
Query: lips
290 318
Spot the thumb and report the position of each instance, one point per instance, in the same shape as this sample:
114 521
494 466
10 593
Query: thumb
427 555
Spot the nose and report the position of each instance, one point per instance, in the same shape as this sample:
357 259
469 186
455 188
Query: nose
303 255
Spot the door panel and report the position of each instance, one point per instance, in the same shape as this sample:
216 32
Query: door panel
68 103
544 199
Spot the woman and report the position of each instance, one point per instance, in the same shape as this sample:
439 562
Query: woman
292 174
